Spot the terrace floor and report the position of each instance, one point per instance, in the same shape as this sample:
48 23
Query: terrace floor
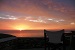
68 48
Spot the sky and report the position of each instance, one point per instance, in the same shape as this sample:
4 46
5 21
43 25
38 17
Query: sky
37 14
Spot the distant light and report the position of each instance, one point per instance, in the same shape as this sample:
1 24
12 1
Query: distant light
20 29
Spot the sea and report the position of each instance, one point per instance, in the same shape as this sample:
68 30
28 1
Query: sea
25 33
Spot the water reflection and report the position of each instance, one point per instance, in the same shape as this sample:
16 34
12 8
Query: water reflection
26 33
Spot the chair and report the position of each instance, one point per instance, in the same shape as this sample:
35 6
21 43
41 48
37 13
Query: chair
56 40
72 41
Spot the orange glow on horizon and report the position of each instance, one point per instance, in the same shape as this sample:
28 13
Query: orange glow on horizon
21 27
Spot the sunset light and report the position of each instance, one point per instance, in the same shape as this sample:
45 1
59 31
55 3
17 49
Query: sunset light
20 27
27 24
37 14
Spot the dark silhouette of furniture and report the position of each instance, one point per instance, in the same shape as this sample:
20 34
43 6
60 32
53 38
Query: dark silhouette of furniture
56 40
72 41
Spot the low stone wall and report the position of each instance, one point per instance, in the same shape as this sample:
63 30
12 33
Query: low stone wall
7 43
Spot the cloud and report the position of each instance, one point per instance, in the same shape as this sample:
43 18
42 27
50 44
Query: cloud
8 17
37 12
41 19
